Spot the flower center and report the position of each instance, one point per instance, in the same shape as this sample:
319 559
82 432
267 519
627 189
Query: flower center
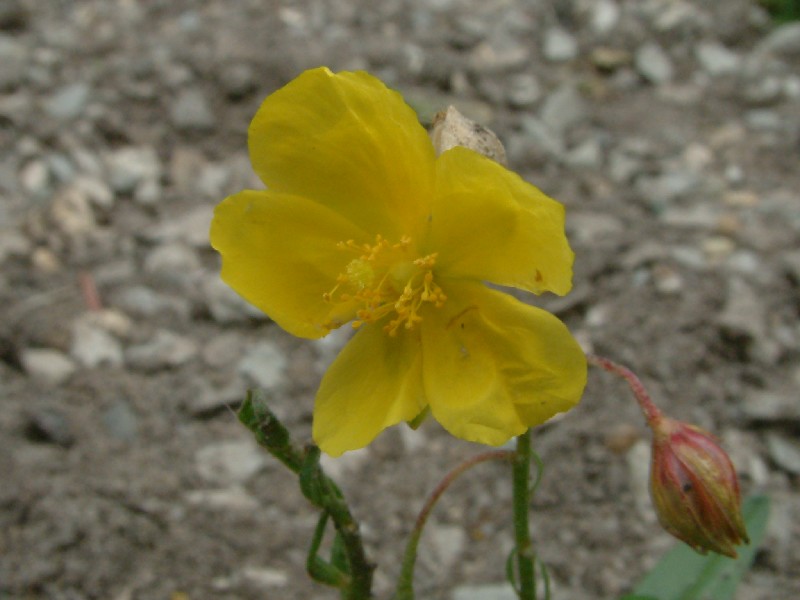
384 279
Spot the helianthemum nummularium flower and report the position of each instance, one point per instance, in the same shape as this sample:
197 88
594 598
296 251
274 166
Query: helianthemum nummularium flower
361 223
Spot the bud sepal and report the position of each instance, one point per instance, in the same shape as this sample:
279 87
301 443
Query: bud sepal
694 488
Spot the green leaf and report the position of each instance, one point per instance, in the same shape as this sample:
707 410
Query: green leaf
318 569
683 574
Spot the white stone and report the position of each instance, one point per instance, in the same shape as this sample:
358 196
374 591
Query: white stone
605 16
92 346
563 108
229 463
716 59
127 167
653 63
487 591
265 366
165 350
47 365
559 45
234 498
265 576
225 305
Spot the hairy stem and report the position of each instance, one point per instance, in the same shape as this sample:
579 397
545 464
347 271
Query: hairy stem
651 412
405 586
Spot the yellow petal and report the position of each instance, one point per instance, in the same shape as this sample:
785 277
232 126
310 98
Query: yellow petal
374 383
347 141
279 253
495 366
488 224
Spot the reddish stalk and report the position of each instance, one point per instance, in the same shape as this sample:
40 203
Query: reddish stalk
651 412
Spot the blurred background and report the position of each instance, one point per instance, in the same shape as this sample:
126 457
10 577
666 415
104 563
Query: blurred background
669 128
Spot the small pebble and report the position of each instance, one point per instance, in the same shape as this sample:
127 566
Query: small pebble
49 425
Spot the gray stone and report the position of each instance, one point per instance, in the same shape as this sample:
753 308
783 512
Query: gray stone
95 190
34 177
444 544
716 59
349 464
128 167
265 366
559 45
49 425
638 459
69 102
563 108
622 167
523 90
667 281
184 165
237 80
700 216
233 498
191 111
783 40
653 63
13 15
213 180
223 350
677 15
143 301
664 189
121 422
92 346
771 406
593 227
190 226
541 137
586 155
173 261
14 58
71 212
498 58
743 316
764 120
209 401
265 577
13 244
605 16
47 365
791 265
165 350
484 591
763 91
784 451
148 193
231 462
225 305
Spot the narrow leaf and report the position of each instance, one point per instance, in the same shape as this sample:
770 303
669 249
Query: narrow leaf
683 574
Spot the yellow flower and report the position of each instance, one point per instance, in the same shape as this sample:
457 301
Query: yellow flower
361 223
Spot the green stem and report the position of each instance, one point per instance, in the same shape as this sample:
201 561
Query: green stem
522 536
405 585
320 490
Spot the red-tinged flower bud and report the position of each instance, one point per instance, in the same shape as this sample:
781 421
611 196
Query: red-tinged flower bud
694 488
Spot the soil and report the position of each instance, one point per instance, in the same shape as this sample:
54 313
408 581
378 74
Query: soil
124 473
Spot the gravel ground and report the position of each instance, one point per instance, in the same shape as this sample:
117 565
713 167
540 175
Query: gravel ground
671 131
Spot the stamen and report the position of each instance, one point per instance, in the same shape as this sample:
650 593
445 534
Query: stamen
382 279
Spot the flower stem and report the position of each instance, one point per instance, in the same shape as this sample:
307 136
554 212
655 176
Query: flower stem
321 491
522 536
651 412
405 586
